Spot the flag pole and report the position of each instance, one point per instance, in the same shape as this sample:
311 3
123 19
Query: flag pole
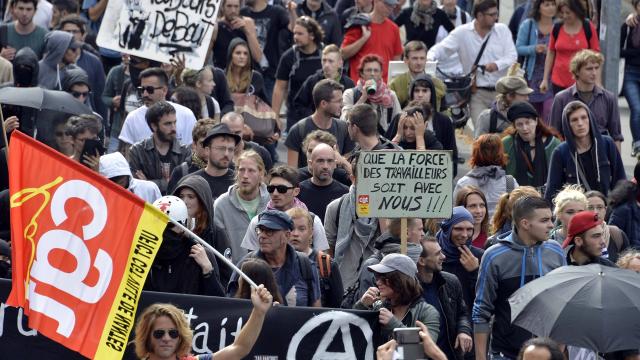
216 252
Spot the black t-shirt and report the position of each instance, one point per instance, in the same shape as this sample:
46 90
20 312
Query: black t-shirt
307 65
218 184
590 171
296 137
414 32
318 197
221 45
269 22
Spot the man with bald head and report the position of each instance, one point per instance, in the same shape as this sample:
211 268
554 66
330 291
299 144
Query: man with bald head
318 191
235 122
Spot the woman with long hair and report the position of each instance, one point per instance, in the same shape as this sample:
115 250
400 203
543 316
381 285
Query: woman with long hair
616 240
624 202
260 272
398 297
189 98
574 33
241 78
501 220
195 191
531 44
568 202
487 173
202 82
472 198
528 144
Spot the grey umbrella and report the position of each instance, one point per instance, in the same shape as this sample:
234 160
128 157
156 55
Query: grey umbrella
43 99
593 306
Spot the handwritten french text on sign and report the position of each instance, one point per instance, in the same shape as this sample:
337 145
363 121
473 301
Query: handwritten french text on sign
159 29
397 184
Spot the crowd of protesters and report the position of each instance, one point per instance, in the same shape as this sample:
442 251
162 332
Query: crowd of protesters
546 187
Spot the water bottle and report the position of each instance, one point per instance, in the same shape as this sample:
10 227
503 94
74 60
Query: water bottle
371 88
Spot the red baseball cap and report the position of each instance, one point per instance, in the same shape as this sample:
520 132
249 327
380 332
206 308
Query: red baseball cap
581 222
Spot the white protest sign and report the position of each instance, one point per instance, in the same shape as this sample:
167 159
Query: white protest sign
160 29
405 184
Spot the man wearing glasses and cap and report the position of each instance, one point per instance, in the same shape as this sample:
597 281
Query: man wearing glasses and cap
298 281
153 88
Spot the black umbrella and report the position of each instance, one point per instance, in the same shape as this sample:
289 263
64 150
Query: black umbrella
593 306
43 99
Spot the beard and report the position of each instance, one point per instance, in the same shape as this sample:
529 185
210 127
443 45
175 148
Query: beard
167 138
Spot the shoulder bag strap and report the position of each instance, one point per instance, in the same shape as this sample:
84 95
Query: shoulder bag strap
477 60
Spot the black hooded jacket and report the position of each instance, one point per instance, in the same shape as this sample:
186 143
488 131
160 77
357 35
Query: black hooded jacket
257 82
77 76
25 74
213 235
442 124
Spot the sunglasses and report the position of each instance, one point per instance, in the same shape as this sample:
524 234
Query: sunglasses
62 133
77 94
149 89
159 334
282 189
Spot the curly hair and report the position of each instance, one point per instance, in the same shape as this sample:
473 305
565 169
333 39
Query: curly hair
368 59
625 258
488 150
312 27
144 327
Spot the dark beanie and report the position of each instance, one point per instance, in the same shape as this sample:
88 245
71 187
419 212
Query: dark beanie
521 109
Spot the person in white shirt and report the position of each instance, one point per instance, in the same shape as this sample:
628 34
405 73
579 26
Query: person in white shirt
451 65
153 88
466 40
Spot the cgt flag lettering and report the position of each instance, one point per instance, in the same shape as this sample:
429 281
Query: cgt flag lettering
81 250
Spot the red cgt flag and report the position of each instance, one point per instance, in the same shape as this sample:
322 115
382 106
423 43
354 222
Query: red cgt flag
81 249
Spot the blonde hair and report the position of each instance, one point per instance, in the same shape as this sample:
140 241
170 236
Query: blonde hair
251 155
331 48
626 257
504 208
572 192
145 327
582 58
297 212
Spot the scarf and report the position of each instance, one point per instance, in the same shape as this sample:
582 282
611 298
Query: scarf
423 15
195 160
525 165
413 250
382 96
450 250
296 204
362 229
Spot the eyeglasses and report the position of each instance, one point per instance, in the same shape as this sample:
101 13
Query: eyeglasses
264 230
149 89
77 94
282 189
371 71
159 334
224 149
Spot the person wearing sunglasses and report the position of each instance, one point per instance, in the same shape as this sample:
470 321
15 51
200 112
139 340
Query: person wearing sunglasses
153 88
162 331
76 83
283 187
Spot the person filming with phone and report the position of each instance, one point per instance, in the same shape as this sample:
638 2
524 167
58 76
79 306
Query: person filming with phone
398 297
87 146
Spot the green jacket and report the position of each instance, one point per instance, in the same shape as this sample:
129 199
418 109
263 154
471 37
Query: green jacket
510 151
419 310
400 84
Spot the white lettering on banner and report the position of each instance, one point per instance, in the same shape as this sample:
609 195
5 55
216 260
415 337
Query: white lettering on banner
340 320
71 283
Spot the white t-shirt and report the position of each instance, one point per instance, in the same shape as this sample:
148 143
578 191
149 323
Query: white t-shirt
135 128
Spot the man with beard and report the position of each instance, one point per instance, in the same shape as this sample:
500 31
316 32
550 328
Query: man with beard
230 26
245 199
321 189
22 31
220 143
153 88
154 158
327 99
585 240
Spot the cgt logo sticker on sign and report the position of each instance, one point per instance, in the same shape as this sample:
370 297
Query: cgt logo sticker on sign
363 204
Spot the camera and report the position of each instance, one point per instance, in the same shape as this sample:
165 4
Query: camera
409 343
371 88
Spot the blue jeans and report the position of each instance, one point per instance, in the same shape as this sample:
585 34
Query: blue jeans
631 91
